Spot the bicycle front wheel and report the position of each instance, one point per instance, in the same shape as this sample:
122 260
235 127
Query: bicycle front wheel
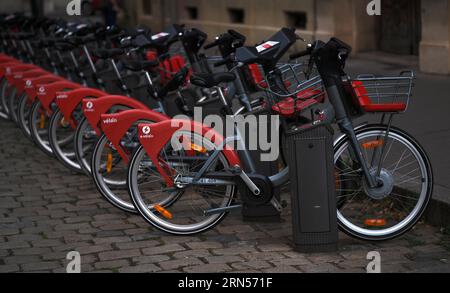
199 206
23 113
405 176
61 137
38 123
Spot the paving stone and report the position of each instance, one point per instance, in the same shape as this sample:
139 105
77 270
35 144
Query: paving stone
40 266
8 232
118 254
46 243
282 269
31 251
251 265
233 250
108 240
9 268
144 268
14 245
180 263
93 248
192 253
204 245
150 259
275 247
223 259
21 259
112 264
208 268
170 248
137 244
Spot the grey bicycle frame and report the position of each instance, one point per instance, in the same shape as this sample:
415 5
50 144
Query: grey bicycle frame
277 180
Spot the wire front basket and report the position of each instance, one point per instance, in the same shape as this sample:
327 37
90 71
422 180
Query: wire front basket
384 94
289 90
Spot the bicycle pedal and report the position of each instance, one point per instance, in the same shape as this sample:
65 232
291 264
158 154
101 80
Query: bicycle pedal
276 204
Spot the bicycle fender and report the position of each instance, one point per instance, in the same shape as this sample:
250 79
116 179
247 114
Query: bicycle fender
94 108
10 70
30 84
5 58
154 137
114 126
19 78
68 101
46 93
6 68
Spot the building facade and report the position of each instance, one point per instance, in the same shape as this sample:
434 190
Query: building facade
408 27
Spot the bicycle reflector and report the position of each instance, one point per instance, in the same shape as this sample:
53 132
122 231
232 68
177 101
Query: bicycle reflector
165 213
198 148
372 144
375 222
64 123
42 122
109 161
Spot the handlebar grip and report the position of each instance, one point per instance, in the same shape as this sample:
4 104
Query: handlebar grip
299 54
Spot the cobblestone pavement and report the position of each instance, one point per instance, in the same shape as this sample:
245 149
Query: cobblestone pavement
45 212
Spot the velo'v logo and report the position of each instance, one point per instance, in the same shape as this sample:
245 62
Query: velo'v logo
74 8
374 7
146 130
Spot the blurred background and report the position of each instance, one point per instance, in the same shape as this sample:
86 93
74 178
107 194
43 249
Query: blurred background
409 34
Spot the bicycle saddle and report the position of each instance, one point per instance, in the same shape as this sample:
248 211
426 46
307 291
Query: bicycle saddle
210 80
136 65
64 46
175 83
107 53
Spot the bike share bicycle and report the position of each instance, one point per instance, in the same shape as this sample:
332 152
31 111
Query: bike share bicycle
206 188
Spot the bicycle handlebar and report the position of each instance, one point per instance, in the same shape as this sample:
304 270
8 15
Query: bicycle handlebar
225 61
212 45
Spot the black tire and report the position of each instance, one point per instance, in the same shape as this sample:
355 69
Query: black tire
103 187
38 139
85 163
23 112
3 100
67 159
13 102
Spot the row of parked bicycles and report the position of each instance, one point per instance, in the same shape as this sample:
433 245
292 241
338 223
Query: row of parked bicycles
100 100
